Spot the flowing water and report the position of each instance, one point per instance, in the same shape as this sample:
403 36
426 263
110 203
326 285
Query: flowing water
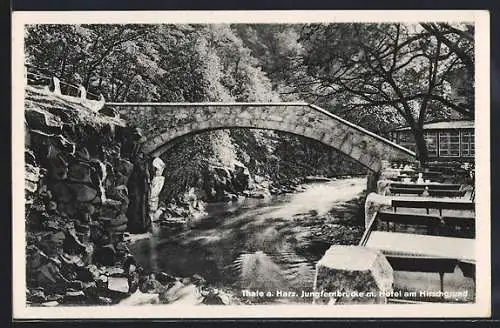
260 244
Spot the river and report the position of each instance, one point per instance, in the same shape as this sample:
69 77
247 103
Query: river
261 244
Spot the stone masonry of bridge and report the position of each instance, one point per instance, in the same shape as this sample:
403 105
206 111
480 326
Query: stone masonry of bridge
163 123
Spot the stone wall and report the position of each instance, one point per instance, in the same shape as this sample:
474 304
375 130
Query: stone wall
77 168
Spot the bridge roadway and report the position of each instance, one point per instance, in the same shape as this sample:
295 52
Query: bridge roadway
163 123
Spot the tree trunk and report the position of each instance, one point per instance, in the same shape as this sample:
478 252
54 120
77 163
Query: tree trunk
422 153
64 61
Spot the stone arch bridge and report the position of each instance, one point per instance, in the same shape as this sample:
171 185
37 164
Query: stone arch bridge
164 123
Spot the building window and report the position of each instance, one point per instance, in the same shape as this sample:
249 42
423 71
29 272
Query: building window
449 144
431 141
407 140
468 148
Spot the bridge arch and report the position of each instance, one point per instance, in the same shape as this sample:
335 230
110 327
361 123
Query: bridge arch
163 123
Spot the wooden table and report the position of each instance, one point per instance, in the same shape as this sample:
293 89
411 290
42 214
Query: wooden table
399 244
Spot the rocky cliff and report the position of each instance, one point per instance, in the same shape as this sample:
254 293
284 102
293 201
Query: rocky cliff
77 166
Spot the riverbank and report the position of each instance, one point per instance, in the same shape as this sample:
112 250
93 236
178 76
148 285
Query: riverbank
181 214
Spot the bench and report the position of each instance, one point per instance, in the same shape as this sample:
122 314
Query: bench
468 269
432 222
444 186
421 253
435 178
438 189
407 172
446 193
406 191
452 172
406 185
441 186
464 222
434 204
435 225
424 264
432 173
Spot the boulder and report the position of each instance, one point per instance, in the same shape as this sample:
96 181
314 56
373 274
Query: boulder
360 273
165 278
96 232
119 220
80 172
82 228
68 192
114 270
58 238
73 245
82 153
104 300
35 257
93 270
42 120
179 292
36 295
58 165
112 203
48 273
71 260
118 284
75 285
84 192
260 194
105 255
120 228
120 179
105 221
51 207
151 285
122 247
31 177
75 297
241 177
124 207
70 210
61 192
85 274
55 298
124 167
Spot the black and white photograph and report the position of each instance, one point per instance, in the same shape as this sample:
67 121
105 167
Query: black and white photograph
184 164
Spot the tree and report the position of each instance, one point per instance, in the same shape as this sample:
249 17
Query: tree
382 68
460 41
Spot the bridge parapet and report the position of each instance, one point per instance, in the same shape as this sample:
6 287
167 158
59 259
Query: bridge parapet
163 123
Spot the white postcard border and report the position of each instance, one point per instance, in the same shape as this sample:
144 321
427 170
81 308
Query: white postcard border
482 307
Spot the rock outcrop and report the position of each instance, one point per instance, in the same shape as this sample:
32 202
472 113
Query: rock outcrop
351 275
77 199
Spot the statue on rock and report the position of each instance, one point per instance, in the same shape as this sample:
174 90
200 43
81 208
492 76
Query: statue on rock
156 187
159 166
